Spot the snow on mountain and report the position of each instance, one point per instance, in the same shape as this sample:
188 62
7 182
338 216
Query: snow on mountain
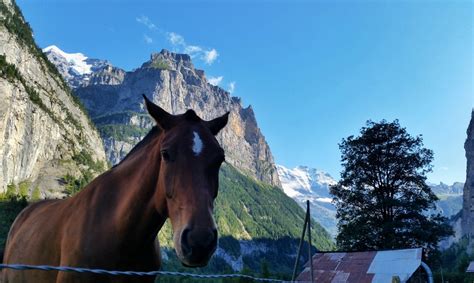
302 180
76 68
303 183
76 61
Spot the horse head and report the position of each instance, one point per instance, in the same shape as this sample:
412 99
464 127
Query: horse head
190 158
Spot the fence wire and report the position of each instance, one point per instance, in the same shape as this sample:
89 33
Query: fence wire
132 273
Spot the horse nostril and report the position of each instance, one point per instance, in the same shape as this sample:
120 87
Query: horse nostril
198 239
209 238
184 241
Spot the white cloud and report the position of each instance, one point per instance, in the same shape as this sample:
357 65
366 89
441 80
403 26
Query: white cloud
146 21
148 39
207 55
215 80
192 50
176 39
210 56
231 87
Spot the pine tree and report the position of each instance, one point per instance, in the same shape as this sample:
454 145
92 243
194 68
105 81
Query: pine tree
382 199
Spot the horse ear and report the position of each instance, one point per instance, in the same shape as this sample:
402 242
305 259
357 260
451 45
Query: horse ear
218 123
163 119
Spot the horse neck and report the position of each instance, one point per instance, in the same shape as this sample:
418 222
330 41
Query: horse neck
139 211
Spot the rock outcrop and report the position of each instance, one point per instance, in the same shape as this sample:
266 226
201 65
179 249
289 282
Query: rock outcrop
44 134
468 197
114 100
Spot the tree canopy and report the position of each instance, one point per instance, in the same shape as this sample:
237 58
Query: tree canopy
382 199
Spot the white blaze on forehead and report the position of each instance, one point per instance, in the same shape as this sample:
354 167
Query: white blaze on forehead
197 143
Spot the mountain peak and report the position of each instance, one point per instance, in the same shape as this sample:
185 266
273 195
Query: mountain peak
76 68
76 61
174 58
303 180
304 183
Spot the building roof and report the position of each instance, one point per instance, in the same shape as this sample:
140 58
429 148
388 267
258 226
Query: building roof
361 267
470 268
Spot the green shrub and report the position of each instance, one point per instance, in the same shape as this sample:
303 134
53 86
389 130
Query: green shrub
11 192
23 189
85 158
36 194
160 65
74 185
10 207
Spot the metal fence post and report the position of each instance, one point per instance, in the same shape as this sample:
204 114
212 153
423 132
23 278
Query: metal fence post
293 277
310 256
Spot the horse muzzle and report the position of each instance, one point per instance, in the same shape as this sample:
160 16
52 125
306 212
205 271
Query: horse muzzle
197 246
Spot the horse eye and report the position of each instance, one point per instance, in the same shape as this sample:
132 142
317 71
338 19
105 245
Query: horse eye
165 155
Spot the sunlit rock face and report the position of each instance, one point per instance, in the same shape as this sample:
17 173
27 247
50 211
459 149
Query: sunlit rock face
41 127
114 100
468 199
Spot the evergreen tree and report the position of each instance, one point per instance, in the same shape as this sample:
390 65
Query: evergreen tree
264 271
382 199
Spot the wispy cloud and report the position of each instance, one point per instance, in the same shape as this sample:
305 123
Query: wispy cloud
207 55
192 50
175 38
215 80
144 20
147 39
231 87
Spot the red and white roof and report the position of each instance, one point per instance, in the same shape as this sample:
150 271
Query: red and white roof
361 267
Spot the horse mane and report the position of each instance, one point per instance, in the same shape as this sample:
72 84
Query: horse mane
152 134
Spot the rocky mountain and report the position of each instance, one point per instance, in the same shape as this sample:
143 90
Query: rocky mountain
467 222
114 101
442 189
450 198
303 183
44 133
78 70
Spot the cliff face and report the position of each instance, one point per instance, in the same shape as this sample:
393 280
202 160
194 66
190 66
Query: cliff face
114 100
43 131
468 201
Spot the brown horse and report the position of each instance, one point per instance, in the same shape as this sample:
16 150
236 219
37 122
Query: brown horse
113 222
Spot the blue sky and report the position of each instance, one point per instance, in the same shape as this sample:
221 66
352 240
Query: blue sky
314 71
